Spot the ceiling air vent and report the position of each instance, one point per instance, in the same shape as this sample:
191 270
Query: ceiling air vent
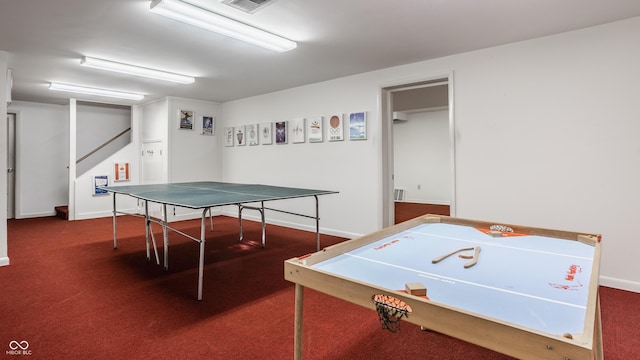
249 6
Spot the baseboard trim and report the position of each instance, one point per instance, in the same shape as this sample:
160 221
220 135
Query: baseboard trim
621 284
35 215
427 202
297 226
93 215
4 261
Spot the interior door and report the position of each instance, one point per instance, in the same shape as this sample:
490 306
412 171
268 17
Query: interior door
152 162
11 165
152 170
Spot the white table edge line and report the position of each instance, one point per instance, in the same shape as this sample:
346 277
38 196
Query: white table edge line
482 243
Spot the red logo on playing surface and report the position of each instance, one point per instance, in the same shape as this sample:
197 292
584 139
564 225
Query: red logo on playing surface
379 247
570 276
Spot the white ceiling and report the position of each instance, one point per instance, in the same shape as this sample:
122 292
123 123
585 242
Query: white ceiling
45 40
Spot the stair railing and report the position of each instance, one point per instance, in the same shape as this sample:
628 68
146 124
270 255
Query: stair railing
103 145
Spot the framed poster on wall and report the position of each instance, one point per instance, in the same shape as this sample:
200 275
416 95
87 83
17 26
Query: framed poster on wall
314 129
241 136
99 182
186 119
335 131
266 133
228 136
281 132
121 171
252 134
297 131
208 125
358 126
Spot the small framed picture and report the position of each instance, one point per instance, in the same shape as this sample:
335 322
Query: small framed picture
252 134
121 171
358 126
281 132
208 125
314 129
99 182
228 136
241 136
186 119
335 131
297 131
266 133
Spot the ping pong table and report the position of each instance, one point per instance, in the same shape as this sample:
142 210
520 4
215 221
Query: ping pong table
205 195
526 292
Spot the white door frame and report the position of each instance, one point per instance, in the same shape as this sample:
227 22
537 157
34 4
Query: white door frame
11 165
386 114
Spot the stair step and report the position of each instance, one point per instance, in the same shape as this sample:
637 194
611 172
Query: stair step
62 212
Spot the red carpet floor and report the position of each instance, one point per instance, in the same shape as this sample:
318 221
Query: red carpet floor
70 295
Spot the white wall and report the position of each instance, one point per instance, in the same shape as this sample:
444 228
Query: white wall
188 155
154 117
88 205
546 135
97 124
4 256
153 124
421 158
192 155
42 145
351 167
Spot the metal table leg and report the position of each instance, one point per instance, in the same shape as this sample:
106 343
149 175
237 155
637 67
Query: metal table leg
165 236
264 231
147 231
240 207
115 226
201 261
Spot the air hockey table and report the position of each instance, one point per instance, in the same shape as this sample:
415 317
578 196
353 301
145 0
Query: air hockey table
522 291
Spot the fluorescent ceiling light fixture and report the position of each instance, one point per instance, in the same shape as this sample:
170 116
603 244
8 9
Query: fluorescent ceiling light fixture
135 70
95 91
196 16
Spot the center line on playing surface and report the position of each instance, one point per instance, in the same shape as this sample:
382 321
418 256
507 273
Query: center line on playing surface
437 277
210 190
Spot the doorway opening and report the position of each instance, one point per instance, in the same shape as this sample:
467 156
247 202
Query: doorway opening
418 149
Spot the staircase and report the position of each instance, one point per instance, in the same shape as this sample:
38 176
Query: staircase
62 212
